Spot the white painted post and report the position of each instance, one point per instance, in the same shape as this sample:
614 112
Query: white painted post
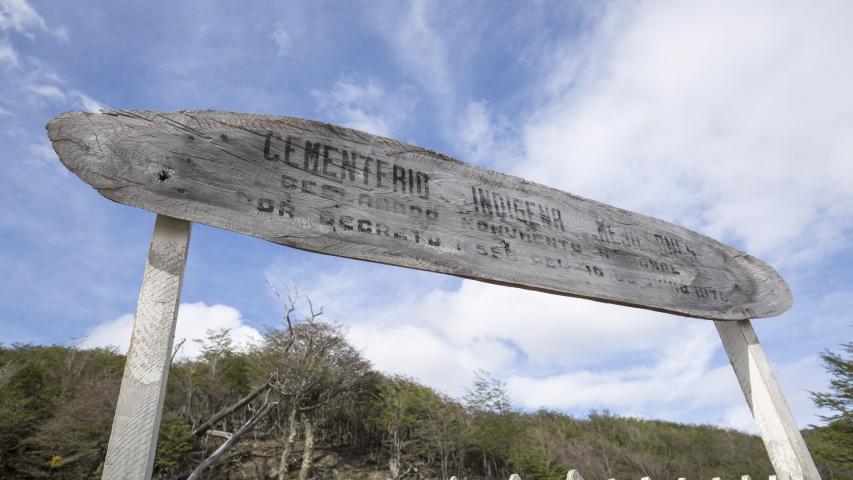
782 439
745 477
515 476
133 440
574 475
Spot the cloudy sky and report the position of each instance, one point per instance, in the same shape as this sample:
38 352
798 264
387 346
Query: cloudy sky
734 119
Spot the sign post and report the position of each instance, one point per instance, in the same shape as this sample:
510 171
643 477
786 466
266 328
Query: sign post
133 441
776 425
337 191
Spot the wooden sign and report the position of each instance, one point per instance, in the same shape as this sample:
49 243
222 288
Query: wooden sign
338 191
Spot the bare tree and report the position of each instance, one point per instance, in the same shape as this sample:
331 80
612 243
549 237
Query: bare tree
312 364
219 452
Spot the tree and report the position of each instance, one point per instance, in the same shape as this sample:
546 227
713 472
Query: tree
312 365
444 429
834 442
493 426
402 403
218 378
487 395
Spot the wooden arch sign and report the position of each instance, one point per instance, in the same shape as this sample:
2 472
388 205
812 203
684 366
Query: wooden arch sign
338 191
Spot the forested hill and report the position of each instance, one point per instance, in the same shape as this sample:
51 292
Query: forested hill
316 409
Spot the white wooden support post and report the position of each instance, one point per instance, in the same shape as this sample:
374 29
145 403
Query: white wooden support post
776 425
574 475
133 440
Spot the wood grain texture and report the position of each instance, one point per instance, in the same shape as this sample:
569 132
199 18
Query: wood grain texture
133 440
338 191
776 425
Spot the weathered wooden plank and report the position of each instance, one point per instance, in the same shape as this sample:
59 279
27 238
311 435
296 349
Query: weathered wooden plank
342 192
133 440
785 446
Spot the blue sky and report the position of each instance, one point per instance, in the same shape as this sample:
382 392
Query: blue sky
733 119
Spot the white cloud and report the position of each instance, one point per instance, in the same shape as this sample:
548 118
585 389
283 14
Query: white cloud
194 320
282 39
365 106
833 313
798 378
678 379
50 92
8 54
421 49
484 137
553 351
34 80
55 94
88 103
475 129
740 418
413 351
21 17
732 118
442 335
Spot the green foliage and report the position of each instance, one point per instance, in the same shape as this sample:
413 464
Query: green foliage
487 395
840 397
56 407
221 374
607 446
174 444
19 411
833 443
493 426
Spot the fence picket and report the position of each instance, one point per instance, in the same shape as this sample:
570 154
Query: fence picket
576 475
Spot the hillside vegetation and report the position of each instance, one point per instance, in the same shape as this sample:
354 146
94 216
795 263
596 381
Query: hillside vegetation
317 409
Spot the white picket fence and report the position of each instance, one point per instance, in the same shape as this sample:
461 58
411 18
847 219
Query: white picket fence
575 475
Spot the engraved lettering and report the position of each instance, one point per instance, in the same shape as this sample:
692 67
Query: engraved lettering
312 156
327 161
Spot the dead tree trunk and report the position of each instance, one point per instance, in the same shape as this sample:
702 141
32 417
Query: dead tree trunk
396 454
219 452
309 447
231 409
288 447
